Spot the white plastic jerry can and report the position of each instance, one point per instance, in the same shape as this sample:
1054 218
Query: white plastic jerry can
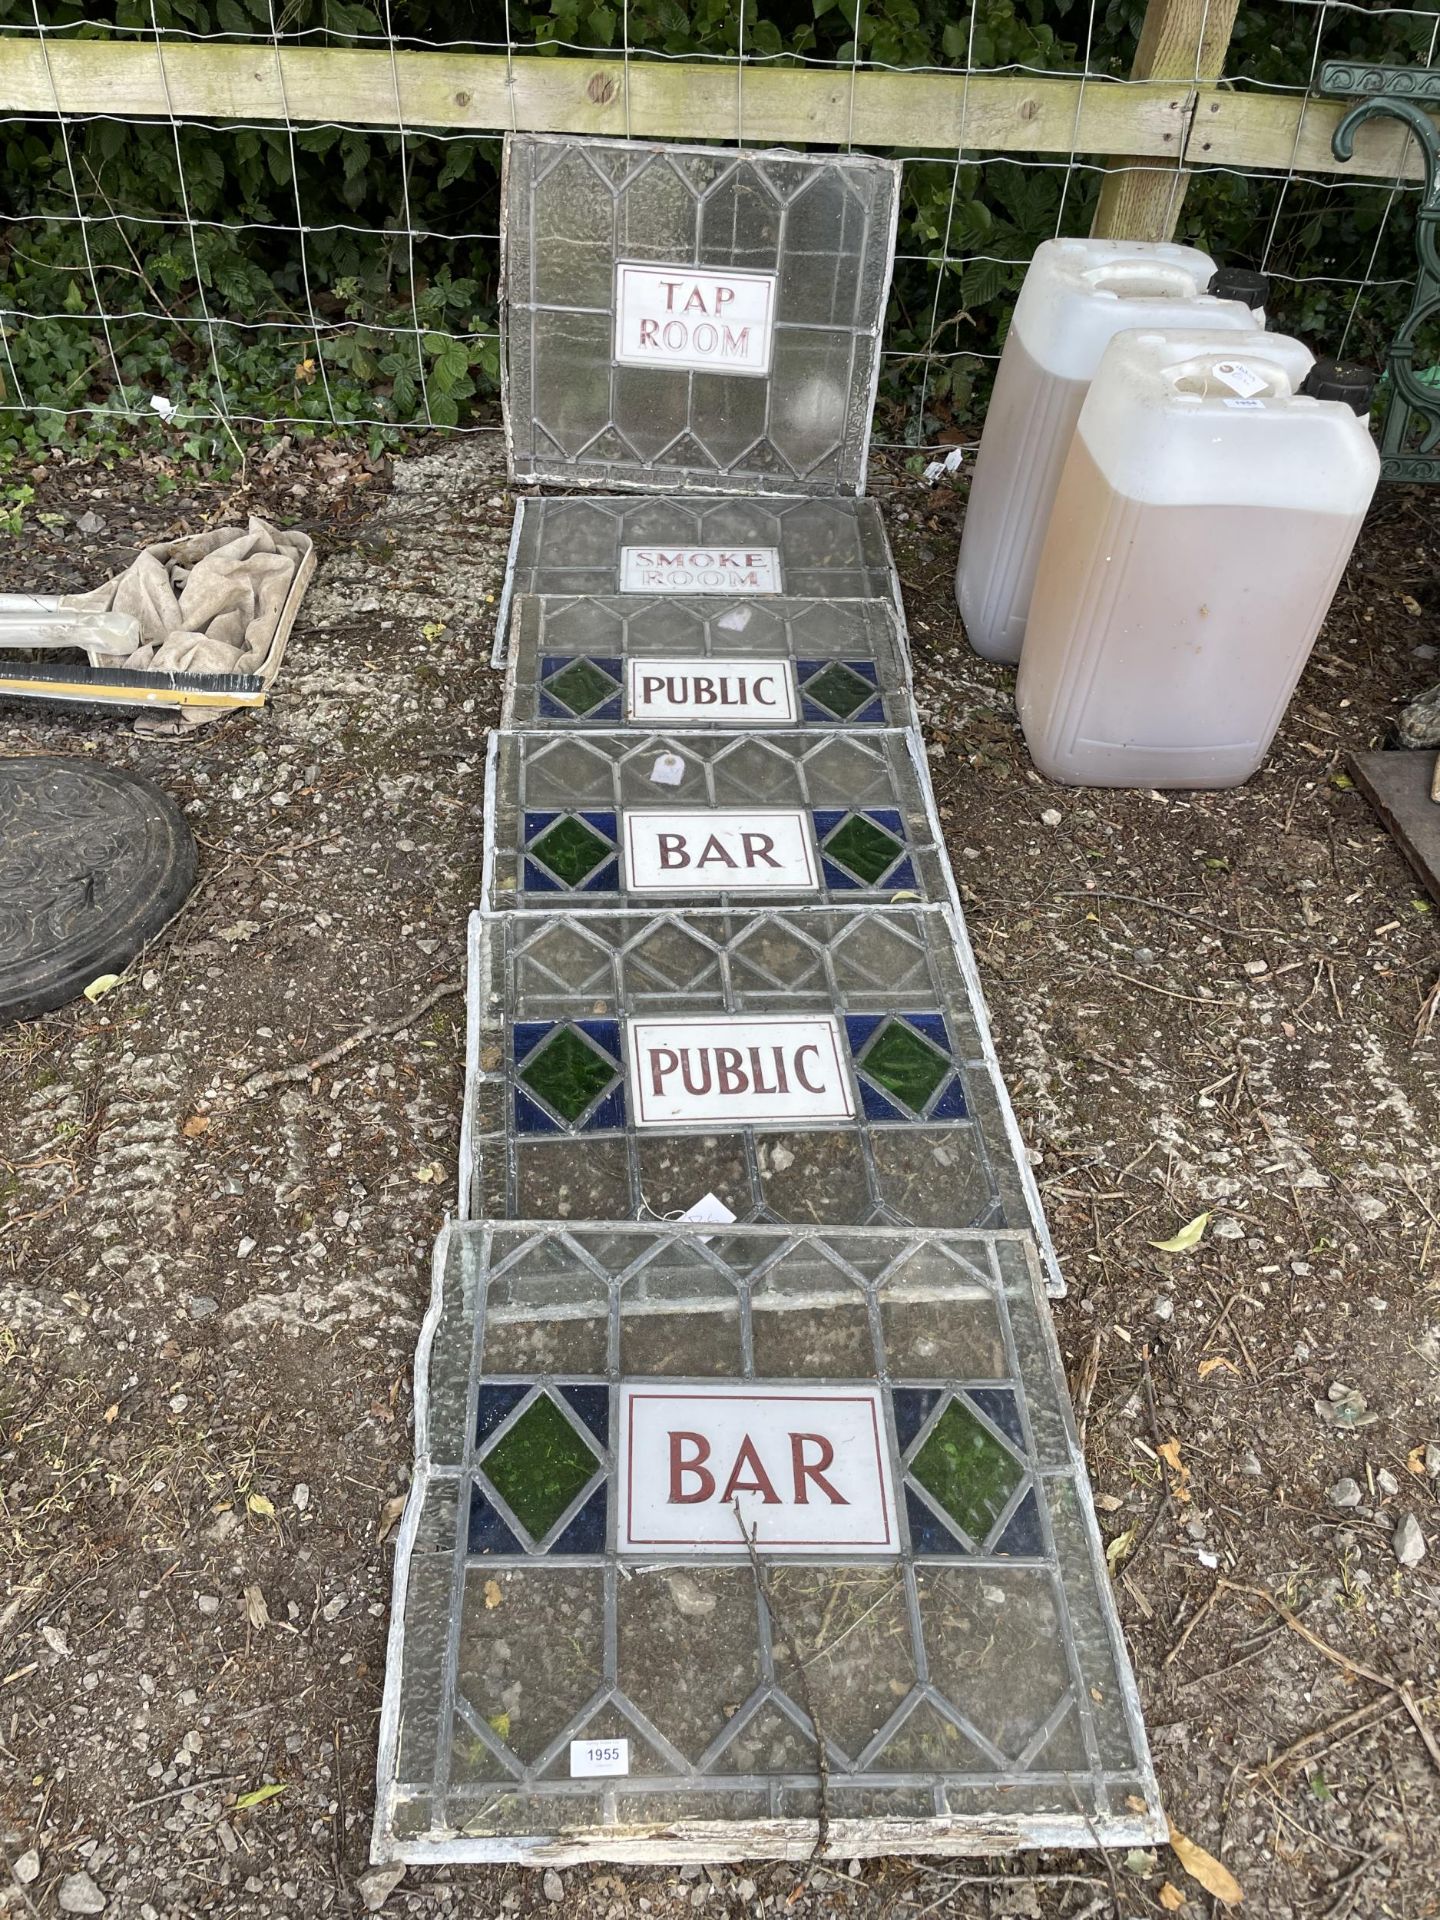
1212 493
1076 296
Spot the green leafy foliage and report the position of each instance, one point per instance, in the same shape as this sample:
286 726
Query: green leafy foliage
268 275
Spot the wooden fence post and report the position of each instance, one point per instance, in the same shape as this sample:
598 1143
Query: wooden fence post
1181 40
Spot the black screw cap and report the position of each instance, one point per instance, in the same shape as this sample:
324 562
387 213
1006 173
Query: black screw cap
1240 283
1341 380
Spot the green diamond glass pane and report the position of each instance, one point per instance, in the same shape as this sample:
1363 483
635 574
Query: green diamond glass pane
905 1065
539 1465
966 1471
568 1072
866 849
581 686
840 689
571 850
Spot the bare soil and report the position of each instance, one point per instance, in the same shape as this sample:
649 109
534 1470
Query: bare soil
209 1298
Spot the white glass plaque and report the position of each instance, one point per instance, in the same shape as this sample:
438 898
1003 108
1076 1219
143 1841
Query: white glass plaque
681 317
719 692
675 569
798 1470
738 1070
698 850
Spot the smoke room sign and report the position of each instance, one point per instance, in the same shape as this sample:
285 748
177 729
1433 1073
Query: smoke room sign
675 569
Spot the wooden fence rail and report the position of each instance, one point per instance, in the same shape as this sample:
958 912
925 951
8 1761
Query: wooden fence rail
1134 121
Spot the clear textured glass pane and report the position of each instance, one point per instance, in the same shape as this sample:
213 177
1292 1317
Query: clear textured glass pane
955 1680
739 295
557 1110
580 820
807 549
842 664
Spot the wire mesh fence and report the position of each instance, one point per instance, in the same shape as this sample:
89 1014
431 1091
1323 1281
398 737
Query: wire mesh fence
213 276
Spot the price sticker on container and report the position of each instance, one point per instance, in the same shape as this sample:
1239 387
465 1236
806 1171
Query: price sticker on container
598 1759
1239 378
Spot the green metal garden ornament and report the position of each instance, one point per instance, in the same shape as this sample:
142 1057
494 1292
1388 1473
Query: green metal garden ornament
1410 438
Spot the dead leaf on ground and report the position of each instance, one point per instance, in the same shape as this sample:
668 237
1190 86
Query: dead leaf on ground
1190 1235
1118 1548
1415 1461
256 1611
492 1593
197 1124
1169 1452
1170 1897
98 988
390 1516
262 1508
256 1797
1214 1363
1213 1875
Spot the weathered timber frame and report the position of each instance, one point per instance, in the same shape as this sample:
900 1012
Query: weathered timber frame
1164 120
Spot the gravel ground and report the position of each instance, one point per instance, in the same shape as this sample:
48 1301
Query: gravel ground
1213 1004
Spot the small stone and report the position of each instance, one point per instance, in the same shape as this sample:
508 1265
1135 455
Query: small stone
208 1603
1409 1546
27 1868
1164 1307
1387 1482
376 1886
1344 1493
79 1894
89 522
1345 1407
200 1306
553 1887
1432 1460
1051 817
245 1248
300 1496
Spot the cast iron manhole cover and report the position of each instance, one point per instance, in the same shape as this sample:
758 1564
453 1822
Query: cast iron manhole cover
93 862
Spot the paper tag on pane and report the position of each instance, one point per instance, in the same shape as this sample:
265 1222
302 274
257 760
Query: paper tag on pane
668 770
1239 378
1245 406
594 1759
709 1207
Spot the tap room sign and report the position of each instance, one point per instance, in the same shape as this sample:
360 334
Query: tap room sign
688 319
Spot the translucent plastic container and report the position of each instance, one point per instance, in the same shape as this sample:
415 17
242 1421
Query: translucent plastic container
1077 295
1204 517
